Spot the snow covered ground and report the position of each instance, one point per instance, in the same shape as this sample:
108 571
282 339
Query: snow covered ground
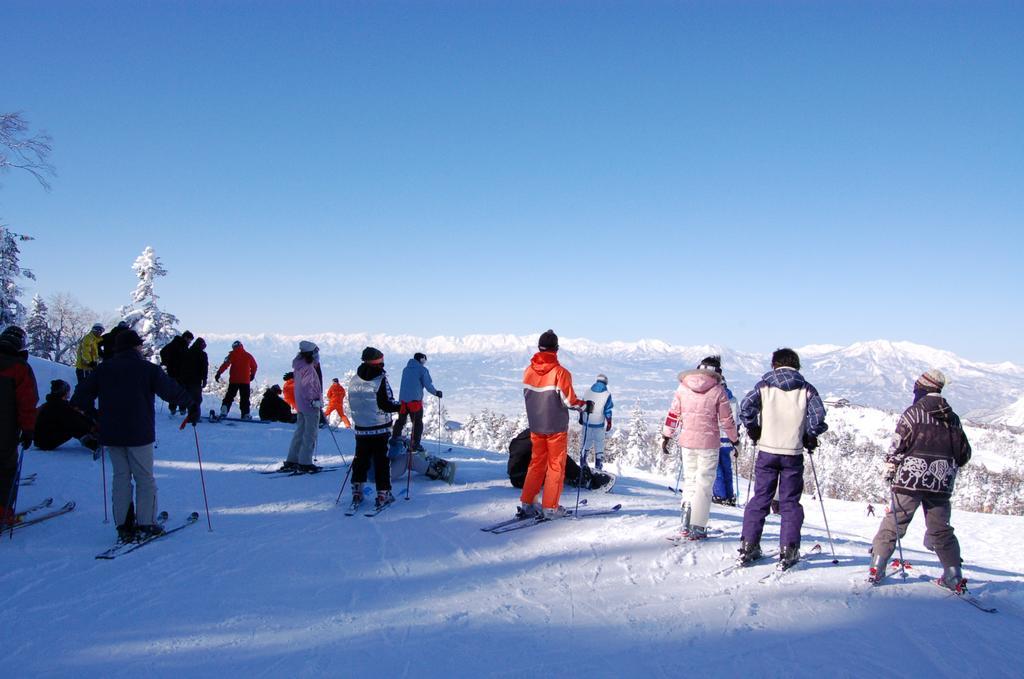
287 586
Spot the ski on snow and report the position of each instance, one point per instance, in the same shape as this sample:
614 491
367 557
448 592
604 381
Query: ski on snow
779 570
570 514
128 547
278 473
44 517
22 513
516 519
28 479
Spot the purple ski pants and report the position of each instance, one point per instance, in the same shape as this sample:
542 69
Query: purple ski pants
786 472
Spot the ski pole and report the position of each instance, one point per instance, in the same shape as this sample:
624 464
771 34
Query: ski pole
679 474
335 438
896 527
202 479
736 471
439 426
750 476
344 481
408 471
103 471
822 501
12 497
583 452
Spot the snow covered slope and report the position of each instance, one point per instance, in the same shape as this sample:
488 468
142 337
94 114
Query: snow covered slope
286 586
485 371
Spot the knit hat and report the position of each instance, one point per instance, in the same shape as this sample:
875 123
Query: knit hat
13 337
548 341
307 347
276 389
372 355
188 335
602 378
200 343
711 363
418 356
59 388
127 339
236 344
288 376
335 380
97 327
932 380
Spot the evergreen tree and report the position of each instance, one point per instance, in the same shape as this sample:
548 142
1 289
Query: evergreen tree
155 327
12 311
41 341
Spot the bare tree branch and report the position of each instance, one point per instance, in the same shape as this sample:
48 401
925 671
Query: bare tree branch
23 152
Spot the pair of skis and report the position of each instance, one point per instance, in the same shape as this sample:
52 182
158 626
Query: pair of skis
28 479
897 566
122 548
353 508
31 516
213 418
766 556
280 473
519 521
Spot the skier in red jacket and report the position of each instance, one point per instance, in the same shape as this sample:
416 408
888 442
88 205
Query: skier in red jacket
243 372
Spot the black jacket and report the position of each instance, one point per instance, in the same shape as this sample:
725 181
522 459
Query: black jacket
125 385
107 342
274 409
930 446
195 367
57 421
173 355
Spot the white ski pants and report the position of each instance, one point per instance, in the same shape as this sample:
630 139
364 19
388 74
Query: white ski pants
699 468
595 441
133 462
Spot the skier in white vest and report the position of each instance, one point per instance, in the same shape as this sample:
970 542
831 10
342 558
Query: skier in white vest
595 424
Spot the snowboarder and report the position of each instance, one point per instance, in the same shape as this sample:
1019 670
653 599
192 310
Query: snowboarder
195 370
599 422
699 413
18 398
309 389
109 339
415 378
273 408
548 393
336 402
371 402
57 421
243 372
520 453
88 355
783 415
288 389
172 356
431 466
126 385
929 448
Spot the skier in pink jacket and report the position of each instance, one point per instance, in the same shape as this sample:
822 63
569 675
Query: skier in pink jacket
700 412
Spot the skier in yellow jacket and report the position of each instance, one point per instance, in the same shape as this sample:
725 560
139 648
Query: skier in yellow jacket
88 356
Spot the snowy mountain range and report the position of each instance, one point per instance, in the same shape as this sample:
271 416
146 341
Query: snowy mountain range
484 371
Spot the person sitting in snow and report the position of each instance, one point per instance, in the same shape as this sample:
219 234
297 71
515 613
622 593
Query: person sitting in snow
921 468
273 408
433 467
520 453
57 421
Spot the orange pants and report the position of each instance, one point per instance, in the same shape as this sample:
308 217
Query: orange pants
336 408
547 468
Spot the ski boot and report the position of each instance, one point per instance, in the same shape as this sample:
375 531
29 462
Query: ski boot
684 520
697 533
715 500
246 417
150 531
730 501
307 468
223 411
287 466
749 553
788 557
876 572
528 510
953 579
555 513
599 462
126 534
8 517
384 498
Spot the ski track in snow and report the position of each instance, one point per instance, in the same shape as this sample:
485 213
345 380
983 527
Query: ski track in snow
287 586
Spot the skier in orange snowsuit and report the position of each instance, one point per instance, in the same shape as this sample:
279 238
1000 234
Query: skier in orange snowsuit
288 391
336 402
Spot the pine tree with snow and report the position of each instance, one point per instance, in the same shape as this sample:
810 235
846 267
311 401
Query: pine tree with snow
41 340
155 327
12 311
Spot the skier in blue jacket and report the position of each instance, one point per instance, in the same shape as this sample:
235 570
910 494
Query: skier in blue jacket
597 422
415 378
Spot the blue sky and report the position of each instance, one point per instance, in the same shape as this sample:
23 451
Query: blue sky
747 174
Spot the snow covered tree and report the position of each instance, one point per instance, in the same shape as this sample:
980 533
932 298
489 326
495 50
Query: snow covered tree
22 151
40 336
12 311
155 327
69 321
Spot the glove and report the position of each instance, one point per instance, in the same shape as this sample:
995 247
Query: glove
216 378
890 472
608 424
810 442
754 432
589 406
316 403
665 440
193 415
735 445
438 394
26 439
